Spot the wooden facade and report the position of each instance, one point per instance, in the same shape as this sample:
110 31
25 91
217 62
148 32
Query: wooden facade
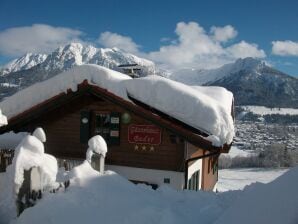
62 118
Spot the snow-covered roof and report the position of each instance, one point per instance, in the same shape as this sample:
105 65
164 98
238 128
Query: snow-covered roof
210 113
39 92
3 119
207 109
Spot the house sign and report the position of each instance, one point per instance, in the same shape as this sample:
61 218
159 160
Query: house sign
144 134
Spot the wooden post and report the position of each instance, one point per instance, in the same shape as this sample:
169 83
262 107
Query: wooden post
30 191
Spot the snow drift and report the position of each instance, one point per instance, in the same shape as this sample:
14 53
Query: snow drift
109 198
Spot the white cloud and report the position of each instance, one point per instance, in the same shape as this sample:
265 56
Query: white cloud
38 38
244 49
223 34
110 40
193 42
193 47
285 48
197 49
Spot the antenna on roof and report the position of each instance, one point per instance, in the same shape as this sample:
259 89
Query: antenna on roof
133 70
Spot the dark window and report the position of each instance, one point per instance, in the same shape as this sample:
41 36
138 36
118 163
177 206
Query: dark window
108 126
193 182
85 126
102 125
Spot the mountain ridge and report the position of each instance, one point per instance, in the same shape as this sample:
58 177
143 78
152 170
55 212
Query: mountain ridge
252 81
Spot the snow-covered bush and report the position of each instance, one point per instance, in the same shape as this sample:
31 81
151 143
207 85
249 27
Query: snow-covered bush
28 154
97 145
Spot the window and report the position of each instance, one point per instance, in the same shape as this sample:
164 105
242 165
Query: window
194 181
102 125
107 124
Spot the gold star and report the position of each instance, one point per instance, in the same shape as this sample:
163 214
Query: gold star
136 148
151 149
143 148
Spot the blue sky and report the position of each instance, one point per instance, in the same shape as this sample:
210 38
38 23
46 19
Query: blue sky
171 33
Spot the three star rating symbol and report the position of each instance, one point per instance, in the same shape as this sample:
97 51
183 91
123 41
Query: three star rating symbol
144 148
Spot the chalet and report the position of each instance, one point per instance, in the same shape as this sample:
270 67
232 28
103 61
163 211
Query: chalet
130 69
149 141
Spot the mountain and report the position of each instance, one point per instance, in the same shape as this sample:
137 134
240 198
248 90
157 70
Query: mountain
252 82
32 68
25 62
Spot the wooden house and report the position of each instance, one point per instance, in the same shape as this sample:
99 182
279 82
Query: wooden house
144 144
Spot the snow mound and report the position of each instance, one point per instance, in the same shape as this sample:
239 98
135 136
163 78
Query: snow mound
189 105
275 203
28 154
83 171
98 145
110 198
32 144
40 134
39 92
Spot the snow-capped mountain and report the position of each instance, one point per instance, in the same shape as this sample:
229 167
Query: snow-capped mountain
203 77
33 68
74 54
25 62
252 81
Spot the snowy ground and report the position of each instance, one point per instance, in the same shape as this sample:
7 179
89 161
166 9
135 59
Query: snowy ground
260 110
235 151
237 179
109 198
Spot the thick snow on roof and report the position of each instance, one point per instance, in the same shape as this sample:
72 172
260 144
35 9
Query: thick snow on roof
205 108
210 113
3 119
10 140
38 93
112 199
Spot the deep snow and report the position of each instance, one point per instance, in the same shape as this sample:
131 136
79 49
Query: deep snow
28 154
190 105
109 198
238 179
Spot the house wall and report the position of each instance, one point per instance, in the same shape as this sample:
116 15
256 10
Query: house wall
159 177
62 127
208 175
193 151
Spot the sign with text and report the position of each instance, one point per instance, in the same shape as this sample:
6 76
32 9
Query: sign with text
144 134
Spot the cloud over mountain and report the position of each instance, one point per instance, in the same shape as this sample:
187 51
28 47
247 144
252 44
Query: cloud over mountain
38 38
110 40
193 46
